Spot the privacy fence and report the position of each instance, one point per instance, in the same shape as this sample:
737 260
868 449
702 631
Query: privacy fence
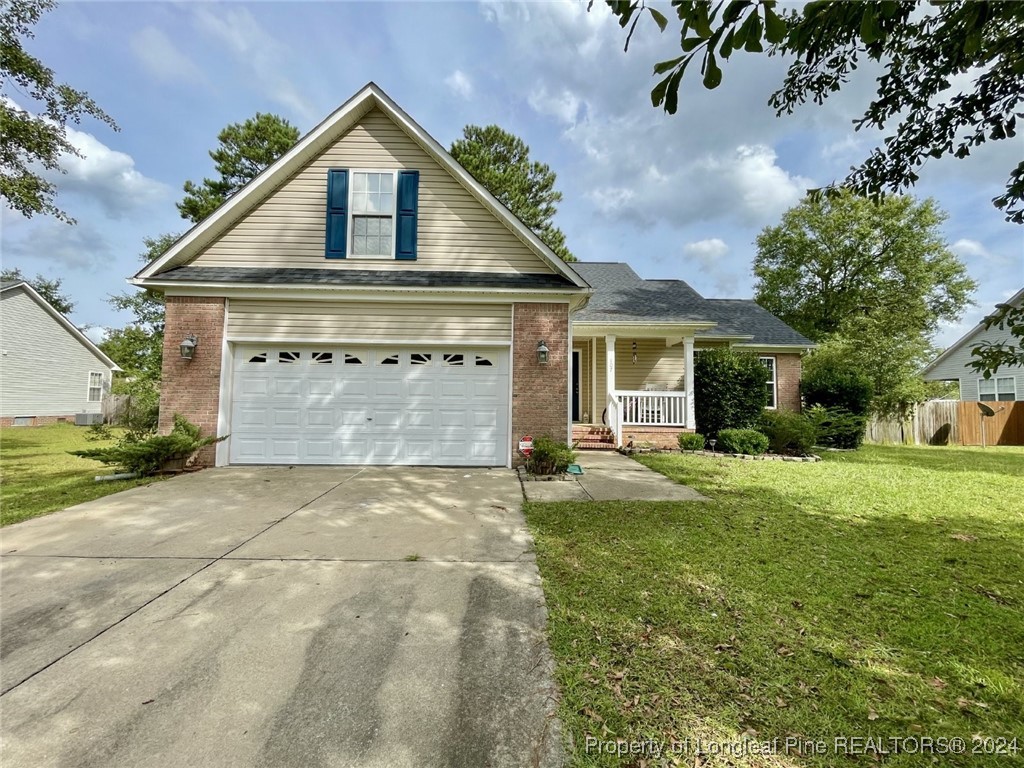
952 422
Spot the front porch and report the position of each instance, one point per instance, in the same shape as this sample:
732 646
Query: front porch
632 386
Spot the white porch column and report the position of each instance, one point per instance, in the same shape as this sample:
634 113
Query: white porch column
688 362
609 385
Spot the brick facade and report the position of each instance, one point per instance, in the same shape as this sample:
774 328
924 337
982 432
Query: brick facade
540 393
657 437
787 381
192 387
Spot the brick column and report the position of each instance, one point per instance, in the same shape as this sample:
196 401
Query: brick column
540 393
192 387
787 381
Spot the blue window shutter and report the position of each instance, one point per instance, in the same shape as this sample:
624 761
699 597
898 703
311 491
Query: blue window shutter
406 212
337 213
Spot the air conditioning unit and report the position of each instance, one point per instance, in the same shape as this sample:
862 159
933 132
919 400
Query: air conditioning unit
88 419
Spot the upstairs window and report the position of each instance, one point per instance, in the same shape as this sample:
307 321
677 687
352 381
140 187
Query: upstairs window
373 211
372 214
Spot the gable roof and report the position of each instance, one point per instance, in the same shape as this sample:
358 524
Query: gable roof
313 144
953 348
621 295
68 325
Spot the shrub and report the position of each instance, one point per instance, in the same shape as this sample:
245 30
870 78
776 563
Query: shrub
147 455
691 441
833 383
787 432
836 427
550 457
748 441
729 388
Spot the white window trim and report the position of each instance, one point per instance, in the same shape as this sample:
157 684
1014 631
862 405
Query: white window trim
774 382
995 388
352 214
89 387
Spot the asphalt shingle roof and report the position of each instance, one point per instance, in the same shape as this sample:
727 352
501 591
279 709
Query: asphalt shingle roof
620 295
364 277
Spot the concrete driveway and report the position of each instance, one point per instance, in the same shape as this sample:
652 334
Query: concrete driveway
279 617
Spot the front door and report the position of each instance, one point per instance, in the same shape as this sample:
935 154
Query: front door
575 386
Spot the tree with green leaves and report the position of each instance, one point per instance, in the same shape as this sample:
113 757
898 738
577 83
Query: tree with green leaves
138 347
501 162
34 142
920 47
872 279
50 289
245 149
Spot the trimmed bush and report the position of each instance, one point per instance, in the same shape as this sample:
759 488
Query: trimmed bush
748 441
729 388
149 455
691 441
788 433
836 427
834 383
550 457
838 398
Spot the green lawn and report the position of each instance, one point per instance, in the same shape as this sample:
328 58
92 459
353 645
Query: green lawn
877 593
37 476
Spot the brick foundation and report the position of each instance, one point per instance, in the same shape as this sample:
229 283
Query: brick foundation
192 387
39 421
787 381
540 393
657 437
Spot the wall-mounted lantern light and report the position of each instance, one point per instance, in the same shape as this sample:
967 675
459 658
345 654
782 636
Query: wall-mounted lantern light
634 351
542 353
188 347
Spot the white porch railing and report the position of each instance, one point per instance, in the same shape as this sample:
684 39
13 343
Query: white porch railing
645 408
661 409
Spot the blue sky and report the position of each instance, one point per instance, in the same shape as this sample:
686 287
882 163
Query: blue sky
676 197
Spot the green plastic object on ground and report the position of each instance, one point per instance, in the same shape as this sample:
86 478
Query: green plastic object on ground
574 469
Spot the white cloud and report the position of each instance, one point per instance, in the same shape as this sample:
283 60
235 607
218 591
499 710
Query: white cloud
460 84
162 58
706 251
970 248
258 50
99 174
563 105
105 176
709 256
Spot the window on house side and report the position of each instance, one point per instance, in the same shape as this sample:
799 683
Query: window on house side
769 363
95 387
373 212
1000 388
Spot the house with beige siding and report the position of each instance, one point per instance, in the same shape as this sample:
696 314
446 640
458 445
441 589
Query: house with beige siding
49 370
365 300
954 364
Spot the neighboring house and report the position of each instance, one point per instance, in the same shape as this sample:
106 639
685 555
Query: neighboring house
365 301
954 364
49 370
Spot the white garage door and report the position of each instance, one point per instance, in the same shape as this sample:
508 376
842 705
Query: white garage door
369 405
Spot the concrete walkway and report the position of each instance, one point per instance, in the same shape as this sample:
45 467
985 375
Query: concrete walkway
610 476
342 616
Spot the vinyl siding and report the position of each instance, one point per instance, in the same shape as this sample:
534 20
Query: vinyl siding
957 367
369 321
44 370
656 366
455 231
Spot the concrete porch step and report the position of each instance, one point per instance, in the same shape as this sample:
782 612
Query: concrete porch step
594 445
